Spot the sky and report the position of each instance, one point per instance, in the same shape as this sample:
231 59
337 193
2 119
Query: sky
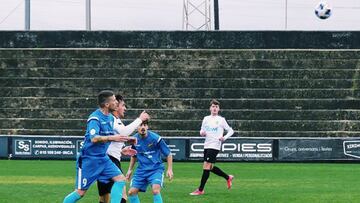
168 15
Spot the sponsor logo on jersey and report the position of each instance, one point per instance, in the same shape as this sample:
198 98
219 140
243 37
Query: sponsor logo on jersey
211 129
92 132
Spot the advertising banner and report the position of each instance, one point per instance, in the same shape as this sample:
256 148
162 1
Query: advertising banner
318 149
177 148
67 147
45 147
236 150
191 149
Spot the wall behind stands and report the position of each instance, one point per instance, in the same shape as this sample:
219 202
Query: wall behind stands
182 39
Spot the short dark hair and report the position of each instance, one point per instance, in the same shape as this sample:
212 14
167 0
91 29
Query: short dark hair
119 97
215 102
103 97
146 122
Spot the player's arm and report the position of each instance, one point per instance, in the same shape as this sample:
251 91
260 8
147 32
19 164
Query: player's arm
202 130
93 128
131 167
165 150
128 129
228 129
169 172
115 138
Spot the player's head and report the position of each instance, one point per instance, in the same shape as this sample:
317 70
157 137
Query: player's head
143 128
214 107
121 107
106 99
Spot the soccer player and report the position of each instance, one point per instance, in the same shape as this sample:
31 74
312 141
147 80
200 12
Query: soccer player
93 163
150 168
213 129
116 148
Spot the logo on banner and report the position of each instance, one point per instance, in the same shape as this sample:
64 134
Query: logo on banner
79 144
236 147
237 150
22 147
352 148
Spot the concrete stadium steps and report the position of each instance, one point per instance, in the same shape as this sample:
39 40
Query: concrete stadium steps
192 114
207 63
174 73
120 53
177 82
277 93
182 103
225 93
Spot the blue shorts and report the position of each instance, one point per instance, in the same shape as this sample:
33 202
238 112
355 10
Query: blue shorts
90 169
142 179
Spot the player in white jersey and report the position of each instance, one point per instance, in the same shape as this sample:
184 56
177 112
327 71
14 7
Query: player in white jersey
212 128
117 148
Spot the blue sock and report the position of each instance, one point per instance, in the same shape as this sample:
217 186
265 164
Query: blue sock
72 197
134 199
157 198
116 191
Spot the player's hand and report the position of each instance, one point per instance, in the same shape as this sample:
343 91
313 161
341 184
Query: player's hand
203 133
128 175
144 116
170 174
132 140
128 151
222 139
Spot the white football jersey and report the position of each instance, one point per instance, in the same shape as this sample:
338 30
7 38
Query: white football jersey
214 127
114 149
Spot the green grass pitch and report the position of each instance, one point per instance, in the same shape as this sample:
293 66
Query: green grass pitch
50 181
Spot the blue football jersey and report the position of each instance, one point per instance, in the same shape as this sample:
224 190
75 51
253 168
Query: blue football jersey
149 150
97 124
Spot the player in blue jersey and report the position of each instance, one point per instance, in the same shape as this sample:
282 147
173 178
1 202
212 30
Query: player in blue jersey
93 163
150 168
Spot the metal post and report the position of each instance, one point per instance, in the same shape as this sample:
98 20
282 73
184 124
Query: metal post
88 14
27 14
216 14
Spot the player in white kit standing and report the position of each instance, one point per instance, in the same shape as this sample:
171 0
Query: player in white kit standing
212 128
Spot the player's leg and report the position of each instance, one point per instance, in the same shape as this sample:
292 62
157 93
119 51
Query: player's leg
117 188
118 164
111 171
156 180
209 159
87 171
137 183
205 175
74 196
156 188
104 190
133 195
124 196
221 173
